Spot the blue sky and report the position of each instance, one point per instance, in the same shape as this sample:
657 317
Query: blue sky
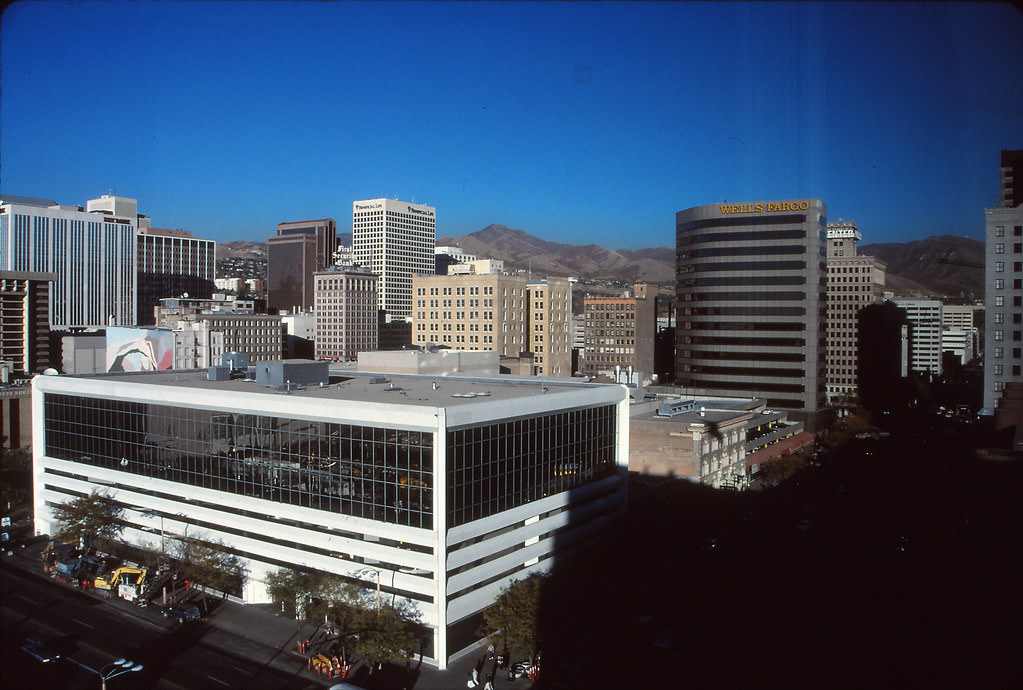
576 122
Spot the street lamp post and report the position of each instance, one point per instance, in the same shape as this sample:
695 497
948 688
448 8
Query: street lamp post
117 668
377 573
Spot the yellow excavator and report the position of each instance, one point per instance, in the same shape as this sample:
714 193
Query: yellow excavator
110 580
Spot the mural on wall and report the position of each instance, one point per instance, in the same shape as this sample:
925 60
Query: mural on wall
139 349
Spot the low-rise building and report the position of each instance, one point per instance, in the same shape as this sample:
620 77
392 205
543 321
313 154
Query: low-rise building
439 495
716 441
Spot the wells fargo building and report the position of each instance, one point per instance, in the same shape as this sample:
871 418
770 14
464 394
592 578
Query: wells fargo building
751 285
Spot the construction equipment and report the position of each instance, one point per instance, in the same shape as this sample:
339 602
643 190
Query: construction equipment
110 580
130 584
154 585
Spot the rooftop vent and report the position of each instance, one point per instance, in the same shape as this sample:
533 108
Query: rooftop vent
379 379
671 408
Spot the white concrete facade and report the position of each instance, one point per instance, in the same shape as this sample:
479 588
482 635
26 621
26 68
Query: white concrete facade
93 255
924 316
451 565
396 240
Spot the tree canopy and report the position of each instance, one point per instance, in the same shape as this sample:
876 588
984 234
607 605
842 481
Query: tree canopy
210 564
375 634
90 518
512 621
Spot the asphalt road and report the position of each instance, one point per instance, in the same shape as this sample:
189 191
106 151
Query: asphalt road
95 633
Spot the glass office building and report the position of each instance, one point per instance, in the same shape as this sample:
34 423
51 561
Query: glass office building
449 490
751 301
91 252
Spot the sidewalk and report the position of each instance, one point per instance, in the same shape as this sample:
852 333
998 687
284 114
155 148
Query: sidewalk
262 635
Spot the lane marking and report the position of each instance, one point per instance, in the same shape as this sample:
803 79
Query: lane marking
83 623
31 601
219 681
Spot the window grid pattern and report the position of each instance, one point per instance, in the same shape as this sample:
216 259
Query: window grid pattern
376 473
497 467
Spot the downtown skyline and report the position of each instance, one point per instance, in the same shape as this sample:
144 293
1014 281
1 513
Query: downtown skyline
578 122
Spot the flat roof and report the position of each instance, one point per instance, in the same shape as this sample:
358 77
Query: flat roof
403 389
696 417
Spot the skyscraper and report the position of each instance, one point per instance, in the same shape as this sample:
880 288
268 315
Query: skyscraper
24 321
172 263
1003 297
924 317
92 252
290 266
293 255
396 240
751 302
1012 178
346 313
854 282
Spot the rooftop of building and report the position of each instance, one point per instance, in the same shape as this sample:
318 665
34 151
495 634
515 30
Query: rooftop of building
348 385
26 201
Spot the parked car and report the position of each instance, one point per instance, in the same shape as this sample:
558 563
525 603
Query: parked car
182 612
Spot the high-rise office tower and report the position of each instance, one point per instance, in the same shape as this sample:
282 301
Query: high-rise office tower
854 282
751 302
172 263
290 266
619 331
924 317
1003 299
92 252
346 313
25 321
396 240
1012 178
293 255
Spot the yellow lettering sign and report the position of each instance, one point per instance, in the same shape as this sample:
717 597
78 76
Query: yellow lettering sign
768 207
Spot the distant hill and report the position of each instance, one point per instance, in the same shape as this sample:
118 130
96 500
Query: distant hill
945 265
941 266
520 250
241 250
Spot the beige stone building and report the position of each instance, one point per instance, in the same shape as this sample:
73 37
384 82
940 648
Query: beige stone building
346 313
494 311
854 282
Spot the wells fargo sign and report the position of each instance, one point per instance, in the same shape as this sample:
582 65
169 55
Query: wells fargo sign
766 207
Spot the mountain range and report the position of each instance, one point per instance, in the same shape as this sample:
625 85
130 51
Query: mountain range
940 266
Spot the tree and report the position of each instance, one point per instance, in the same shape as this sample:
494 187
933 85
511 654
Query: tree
313 595
384 634
210 564
512 621
780 469
364 631
15 481
90 518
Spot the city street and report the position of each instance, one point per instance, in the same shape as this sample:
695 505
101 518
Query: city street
95 633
